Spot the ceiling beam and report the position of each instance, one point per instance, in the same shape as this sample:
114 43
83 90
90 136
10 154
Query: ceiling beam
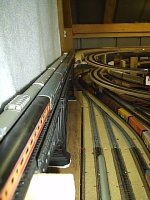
111 30
110 7
67 14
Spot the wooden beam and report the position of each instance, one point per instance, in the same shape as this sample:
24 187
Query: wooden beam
67 14
111 30
68 41
65 33
61 23
109 35
110 7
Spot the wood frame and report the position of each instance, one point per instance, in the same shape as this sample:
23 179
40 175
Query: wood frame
110 6
65 25
111 30
61 23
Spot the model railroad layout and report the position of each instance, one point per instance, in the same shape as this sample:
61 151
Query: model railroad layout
116 133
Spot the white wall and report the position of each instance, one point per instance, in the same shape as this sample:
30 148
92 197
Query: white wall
29 41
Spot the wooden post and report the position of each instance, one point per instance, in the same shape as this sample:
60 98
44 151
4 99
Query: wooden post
110 6
65 25
104 59
133 64
61 23
123 63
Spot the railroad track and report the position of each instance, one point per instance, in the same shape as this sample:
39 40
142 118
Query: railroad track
113 160
99 59
100 72
97 76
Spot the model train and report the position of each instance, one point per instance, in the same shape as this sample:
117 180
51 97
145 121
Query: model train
14 109
126 76
17 147
138 127
23 120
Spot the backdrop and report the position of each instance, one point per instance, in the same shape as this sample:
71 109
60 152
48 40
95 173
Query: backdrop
29 41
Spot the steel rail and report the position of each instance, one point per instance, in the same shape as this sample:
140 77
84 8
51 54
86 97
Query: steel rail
97 77
106 66
125 184
141 164
102 180
91 60
137 157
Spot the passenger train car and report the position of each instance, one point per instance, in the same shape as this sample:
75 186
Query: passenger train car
29 122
